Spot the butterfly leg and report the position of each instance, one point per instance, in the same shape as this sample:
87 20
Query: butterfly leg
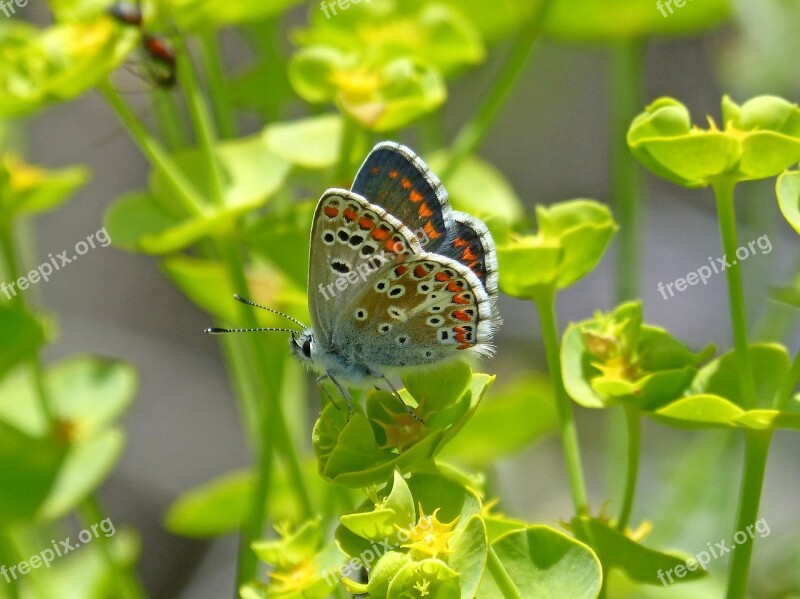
397 395
320 380
344 393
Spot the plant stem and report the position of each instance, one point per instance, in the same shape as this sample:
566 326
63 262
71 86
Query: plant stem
755 464
627 74
474 131
634 427
545 303
501 577
186 194
218 89
723 191
170 120
93 513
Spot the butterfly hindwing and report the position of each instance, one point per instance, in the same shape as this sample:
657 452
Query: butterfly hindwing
425 309
395 178
350 240
470 243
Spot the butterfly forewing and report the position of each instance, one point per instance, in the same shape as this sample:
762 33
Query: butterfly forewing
426 309
395 178
351 239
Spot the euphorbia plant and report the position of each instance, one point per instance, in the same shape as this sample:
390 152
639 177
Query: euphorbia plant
756 140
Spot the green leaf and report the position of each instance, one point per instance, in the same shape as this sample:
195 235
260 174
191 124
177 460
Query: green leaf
150 222
312 142
720 377
22 336
282 238
700 411
480 189
86 467
30 466
543 563
612 20
468 557
618 551
523 410
788 190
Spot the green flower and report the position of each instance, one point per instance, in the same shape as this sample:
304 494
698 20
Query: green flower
28 189
364 449
759 139
301 565
39 67
571 241
383 63
615 358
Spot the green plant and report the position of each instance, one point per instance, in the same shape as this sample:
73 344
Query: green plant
382 504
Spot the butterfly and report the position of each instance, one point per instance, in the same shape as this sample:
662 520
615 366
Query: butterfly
397 279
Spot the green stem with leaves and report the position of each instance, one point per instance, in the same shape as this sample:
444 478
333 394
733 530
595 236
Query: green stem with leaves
273 427
474 131
756 442
545 302
724 194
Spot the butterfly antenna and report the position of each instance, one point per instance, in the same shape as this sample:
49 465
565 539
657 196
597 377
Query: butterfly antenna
239 298
216 331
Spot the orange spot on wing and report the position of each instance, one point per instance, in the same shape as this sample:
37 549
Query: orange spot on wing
366 223
424 211
430 231
374 170
461 315
459 299
392 245
442 277
460 242
401 270
416 197
420 271
467 255
331 211
380 233
464 346
406 184
455 287
393 174
350 214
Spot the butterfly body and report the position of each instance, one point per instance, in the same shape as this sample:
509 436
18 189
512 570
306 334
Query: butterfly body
397 279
